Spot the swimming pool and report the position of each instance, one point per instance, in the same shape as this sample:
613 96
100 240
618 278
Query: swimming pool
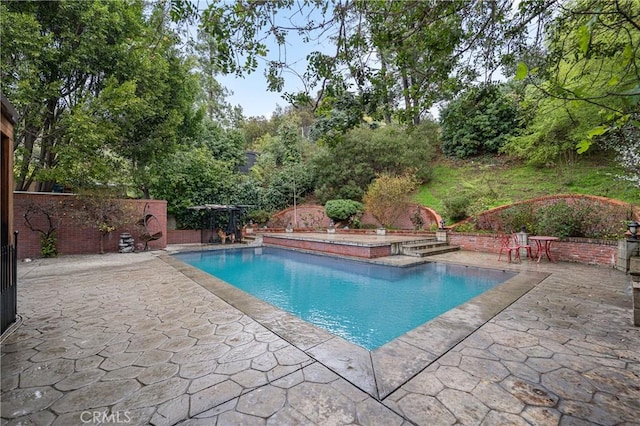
367 304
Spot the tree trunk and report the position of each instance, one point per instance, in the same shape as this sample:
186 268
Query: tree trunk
415 109
24 179
386 101
405 91
145 193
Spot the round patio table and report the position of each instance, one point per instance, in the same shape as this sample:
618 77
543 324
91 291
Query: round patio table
543 245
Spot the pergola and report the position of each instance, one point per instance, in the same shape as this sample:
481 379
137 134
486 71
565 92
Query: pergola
221 216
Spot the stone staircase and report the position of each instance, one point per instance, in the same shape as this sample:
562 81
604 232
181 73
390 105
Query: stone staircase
252 239
427 247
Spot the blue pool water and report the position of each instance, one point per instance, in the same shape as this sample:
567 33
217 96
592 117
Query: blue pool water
367 304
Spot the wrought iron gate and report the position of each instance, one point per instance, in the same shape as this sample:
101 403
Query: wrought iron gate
9 281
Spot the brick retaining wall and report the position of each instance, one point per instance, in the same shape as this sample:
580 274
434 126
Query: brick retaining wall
361 251
581 250
74 238
618 211
313 216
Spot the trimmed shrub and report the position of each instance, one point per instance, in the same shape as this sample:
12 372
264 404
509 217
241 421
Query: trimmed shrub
341 210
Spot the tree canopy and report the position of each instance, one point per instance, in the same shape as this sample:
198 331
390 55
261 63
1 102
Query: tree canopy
114 94
399 58
592 60
101 89
347 169
480 121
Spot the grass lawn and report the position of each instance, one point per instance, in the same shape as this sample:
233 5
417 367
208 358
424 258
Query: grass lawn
491 182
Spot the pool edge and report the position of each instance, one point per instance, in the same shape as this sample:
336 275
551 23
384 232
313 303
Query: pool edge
382 371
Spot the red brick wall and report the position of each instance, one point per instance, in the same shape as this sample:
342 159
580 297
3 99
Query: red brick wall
76 239
184 236
314 217
309 216
581 250
338 249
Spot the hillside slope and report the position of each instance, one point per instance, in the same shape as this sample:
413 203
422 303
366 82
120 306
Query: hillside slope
494 181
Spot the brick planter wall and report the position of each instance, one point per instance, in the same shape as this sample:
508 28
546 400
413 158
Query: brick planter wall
367 252
580 250
74 238
619 210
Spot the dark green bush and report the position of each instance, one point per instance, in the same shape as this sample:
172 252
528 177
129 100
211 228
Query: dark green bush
479 121
259 217
285 182
514 218
582 218
457 206
341 210
344 171
577 218
560 220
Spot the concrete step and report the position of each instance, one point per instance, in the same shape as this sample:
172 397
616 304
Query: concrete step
417 245
249 238
424 252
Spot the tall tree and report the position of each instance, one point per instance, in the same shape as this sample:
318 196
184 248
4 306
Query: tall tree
406 55
167 90
583 84
415 42
100 87
212 94
592 60
388 52
54 55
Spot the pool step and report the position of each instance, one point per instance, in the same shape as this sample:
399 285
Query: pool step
425 248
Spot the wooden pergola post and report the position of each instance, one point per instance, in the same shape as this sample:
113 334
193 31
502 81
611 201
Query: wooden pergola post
9 118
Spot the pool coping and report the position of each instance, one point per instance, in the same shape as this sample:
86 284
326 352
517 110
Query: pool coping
382 371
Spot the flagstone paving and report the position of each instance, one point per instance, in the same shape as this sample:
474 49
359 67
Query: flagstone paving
131 339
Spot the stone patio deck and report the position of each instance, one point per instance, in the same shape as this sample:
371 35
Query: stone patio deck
139 339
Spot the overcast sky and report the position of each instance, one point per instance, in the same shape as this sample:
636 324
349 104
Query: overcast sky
250 91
